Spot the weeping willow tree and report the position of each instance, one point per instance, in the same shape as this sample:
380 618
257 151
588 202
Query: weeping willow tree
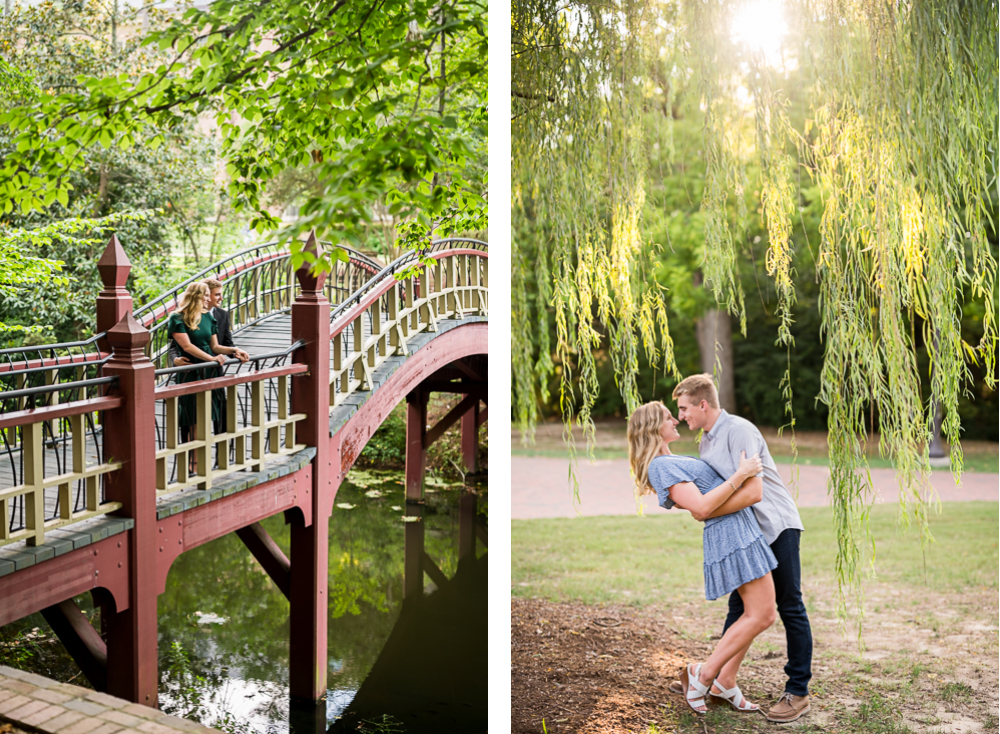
897 128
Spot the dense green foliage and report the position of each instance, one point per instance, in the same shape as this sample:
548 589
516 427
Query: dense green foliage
675 231
21 274
383 103
53 47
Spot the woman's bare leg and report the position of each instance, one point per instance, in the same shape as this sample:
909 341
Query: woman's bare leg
727 676
759 613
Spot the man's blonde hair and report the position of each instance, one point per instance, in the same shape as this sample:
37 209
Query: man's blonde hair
698 388
212 283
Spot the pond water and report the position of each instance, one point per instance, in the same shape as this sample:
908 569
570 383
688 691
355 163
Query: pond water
395 665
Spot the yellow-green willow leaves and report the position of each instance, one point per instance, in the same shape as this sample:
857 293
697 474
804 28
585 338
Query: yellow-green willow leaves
578 193
892 119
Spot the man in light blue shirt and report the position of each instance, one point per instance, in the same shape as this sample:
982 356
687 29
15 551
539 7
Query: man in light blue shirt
725 436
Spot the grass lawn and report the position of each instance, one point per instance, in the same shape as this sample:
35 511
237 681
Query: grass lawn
929 665
658 557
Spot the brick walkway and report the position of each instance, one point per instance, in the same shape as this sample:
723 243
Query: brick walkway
539 487
36 704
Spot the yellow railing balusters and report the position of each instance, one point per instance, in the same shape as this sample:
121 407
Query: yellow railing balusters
452 287
34 477
257 421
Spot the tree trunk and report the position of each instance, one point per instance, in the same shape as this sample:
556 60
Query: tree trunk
936 449
715 342
102 190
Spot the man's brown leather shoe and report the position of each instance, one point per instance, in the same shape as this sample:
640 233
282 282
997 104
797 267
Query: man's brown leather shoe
788 708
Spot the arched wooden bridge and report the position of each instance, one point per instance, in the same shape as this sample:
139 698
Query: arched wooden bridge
96 493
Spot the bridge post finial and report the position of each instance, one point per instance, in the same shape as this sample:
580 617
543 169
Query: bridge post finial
114 301
128 339
309 281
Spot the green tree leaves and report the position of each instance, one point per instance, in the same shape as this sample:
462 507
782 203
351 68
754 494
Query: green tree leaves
342 88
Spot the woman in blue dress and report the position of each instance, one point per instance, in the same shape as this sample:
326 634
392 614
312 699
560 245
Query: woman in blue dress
736 554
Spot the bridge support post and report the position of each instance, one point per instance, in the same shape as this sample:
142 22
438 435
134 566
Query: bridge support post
470 439
309 577
81 641
416 443
130 437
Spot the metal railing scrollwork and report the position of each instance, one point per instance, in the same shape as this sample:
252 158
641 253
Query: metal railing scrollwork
256 283
52 470
258 424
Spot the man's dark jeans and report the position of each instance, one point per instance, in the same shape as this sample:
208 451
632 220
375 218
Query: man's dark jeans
788 596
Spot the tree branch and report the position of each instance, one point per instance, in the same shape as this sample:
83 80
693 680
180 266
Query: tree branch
532 97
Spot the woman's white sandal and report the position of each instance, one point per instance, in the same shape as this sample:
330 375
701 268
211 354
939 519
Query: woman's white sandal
735 698
697 704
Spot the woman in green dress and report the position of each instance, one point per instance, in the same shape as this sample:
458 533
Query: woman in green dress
193 327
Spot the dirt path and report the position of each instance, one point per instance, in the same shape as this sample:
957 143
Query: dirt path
930 666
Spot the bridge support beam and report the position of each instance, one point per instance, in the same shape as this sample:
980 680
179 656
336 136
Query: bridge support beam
130 437
270 557
309 573
469 402
81 641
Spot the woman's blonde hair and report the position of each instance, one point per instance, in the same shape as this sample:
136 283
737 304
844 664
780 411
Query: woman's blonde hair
644 442
192 304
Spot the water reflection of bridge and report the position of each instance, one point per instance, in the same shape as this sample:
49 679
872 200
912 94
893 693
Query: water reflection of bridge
98 495
431 674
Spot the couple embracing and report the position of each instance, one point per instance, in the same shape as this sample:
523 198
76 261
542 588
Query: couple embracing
751 538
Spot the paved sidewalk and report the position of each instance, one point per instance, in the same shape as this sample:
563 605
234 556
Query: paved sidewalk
539 487
36 704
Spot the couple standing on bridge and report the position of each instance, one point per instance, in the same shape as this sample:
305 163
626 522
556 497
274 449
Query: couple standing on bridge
199 333
751 538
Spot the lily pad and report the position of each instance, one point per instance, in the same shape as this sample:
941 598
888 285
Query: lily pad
366 478
210 618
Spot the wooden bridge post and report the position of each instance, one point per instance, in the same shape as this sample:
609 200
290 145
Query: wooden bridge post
114 301
130 437
470 439
416 447
309 581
